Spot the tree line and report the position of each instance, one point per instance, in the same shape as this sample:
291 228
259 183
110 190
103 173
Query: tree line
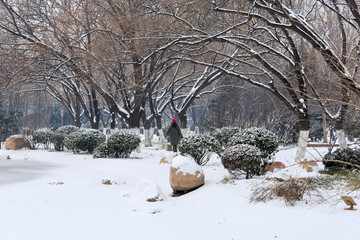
131 61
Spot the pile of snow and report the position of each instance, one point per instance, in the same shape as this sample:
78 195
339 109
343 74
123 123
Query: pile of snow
145 190
294 171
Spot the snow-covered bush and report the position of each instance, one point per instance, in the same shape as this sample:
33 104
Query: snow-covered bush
199 146
59 136
70 141
84 140
57 139
223 135
42 136
122 142
67 129
262 138
242 158
102 151
346 155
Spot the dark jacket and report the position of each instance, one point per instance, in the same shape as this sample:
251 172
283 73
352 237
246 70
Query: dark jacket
175 134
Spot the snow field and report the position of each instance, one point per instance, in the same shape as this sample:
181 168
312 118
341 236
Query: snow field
58 195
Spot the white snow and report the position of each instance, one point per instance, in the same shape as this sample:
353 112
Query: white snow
145 190
186 165
58 195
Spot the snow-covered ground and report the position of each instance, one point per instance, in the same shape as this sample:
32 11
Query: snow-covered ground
58 195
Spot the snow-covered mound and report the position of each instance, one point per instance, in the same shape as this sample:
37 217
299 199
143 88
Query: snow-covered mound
145 190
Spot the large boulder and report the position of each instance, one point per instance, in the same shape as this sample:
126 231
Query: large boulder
185 175
16 142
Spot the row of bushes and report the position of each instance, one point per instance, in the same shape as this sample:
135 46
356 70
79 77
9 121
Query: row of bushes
119 144
45 136
241 150
249 150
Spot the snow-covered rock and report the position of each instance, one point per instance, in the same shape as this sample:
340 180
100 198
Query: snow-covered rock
274 165
17 142
185 174
294 171
310 166
145 190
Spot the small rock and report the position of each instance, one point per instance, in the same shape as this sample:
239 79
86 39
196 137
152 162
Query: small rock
164 161
309 166
276 164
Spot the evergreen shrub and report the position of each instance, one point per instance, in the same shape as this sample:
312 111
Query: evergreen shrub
42 136
348 155
57 139
59 135
223 135
67 129
122 142
261 138
242 158
102 151
84 140
198 146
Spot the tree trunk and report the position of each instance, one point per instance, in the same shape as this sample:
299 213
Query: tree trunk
147 137
77 119
147 132
183 123
341 137
161 133
137 132
303 140
113 121
96 119
134 118
340 134
325 140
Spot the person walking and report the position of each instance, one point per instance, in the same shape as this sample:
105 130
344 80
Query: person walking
175 134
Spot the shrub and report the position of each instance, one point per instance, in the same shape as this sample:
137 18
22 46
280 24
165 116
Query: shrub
291 190
89 139
262 138
122 142
57 139
102 151
84 140
42 136
199 146
242 158
67 129
348 155
70 141
223 135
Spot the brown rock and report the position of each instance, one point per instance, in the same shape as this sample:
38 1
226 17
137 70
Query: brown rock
163 160
308 166
17 142
185 174
276 164
184 182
